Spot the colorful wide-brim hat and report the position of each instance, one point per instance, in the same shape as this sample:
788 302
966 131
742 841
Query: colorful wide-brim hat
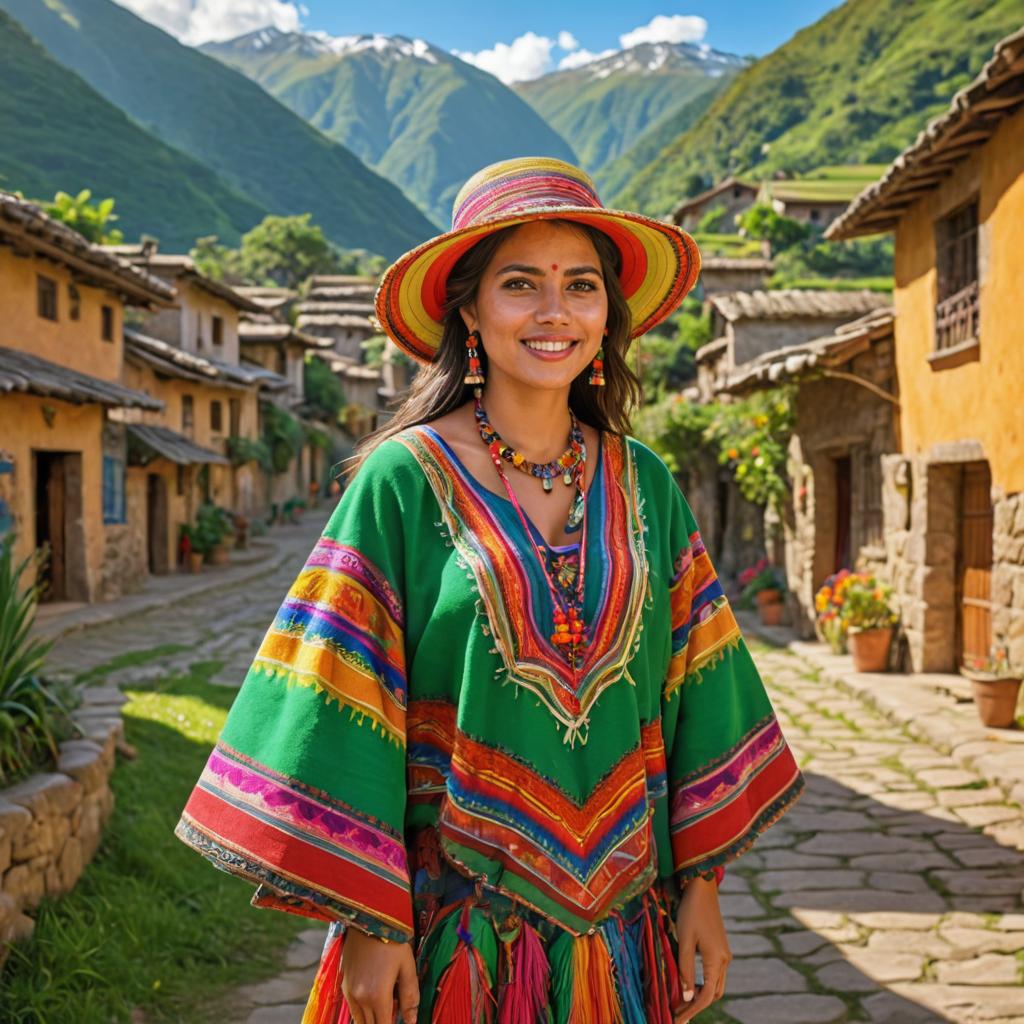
660 261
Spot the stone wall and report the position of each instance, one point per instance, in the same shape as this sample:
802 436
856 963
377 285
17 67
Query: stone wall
51 824
1008 573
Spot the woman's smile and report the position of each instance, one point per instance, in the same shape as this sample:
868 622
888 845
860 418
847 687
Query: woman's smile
550 347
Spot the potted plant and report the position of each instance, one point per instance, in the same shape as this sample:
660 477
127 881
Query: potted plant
994 686
214 524
868 617
828 607
767 588
192 550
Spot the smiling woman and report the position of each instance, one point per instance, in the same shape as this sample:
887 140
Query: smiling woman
504 732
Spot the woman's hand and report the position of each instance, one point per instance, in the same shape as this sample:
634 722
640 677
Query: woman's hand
370 971
699 926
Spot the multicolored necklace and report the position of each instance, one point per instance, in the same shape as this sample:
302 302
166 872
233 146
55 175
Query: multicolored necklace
570 634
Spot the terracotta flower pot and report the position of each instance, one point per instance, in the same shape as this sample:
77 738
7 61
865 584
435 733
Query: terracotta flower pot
195 561
219 555
768 596
995 699
771 614
870 648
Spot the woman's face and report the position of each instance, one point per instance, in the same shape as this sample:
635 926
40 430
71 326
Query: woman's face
541 307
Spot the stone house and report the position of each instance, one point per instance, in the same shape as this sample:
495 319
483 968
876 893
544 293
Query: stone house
845 422
733 274
746 325
954 491
731 194
63 403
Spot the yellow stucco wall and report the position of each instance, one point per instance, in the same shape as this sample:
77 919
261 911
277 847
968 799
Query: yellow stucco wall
73 428
74 343
978 400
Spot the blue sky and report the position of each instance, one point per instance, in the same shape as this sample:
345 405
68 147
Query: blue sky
513 40
737 26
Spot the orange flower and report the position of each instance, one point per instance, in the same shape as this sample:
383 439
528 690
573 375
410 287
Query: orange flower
733 453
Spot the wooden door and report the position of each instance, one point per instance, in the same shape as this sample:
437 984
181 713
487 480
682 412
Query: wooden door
974 565
51 502
156 523
844 504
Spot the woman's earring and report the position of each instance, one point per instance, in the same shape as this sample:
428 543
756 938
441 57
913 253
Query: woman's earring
474 374
597 369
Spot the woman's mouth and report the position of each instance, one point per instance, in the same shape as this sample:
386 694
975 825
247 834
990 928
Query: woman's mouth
549 348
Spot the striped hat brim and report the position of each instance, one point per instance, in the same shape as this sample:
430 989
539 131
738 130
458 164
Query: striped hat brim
660 264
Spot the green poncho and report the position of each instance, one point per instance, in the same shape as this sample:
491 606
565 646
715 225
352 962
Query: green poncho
407 717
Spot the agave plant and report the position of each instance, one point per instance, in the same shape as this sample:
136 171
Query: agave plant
31 713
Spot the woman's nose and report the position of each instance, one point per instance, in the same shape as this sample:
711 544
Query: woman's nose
552 306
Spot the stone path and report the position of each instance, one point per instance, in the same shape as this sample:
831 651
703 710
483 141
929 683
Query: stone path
890 894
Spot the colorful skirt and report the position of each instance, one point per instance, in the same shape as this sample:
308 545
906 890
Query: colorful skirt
484 959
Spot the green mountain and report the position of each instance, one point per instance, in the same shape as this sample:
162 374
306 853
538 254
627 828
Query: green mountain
227 122
421 117
854 88
76 139
603 107
613 177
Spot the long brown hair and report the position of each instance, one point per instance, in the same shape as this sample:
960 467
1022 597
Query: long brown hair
438 387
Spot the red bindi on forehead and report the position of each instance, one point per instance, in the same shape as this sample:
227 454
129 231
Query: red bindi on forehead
554 266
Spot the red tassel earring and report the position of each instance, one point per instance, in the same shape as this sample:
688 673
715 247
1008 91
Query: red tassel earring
597 370
474 375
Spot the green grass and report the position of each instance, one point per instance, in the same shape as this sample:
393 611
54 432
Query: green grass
835 284
150 927
723 244
127 660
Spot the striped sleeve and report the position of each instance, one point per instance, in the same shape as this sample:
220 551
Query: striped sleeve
730 772
304 793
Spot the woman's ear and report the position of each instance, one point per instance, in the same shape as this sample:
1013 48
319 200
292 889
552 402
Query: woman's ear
468 314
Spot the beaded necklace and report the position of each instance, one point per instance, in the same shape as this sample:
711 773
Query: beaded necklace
570 635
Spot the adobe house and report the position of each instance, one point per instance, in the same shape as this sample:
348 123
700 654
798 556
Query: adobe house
953 494
63 446
746 325
733 274
733 195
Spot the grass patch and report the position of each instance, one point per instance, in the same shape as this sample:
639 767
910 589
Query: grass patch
150 927
129 660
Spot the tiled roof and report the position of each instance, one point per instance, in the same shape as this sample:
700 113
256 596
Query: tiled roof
274 333
148 442
27 226
30 374
687 204
974 114
792 302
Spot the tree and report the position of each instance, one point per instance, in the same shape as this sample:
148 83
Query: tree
285 251
90 221
761 221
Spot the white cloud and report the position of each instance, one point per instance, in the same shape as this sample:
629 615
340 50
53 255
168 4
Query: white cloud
567 41
578 58
528 56
667 28
201 21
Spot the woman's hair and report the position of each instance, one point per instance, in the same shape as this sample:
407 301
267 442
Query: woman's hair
439 388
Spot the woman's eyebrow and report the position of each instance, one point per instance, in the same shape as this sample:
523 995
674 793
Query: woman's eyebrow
522 268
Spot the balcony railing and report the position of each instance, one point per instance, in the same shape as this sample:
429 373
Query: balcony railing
956 318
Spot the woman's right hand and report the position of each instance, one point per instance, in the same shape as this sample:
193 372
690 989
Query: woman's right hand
371 970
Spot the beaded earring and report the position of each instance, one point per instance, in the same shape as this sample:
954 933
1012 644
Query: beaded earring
597 370
474 374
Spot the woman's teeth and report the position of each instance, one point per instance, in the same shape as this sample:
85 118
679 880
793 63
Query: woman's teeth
549 346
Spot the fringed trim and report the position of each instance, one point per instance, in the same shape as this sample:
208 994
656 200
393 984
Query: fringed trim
524 997
661 972
326 1005
464 993
762 823
594 997
291 677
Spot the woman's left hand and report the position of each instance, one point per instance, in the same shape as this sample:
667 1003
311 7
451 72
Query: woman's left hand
699 926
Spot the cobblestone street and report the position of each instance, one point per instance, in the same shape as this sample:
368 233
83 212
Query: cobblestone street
891 893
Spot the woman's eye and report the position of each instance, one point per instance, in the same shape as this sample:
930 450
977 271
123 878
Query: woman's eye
586 286
517 284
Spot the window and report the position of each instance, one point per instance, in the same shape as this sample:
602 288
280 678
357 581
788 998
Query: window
235 415
199 331
216 417
107 323
815 216
113 490
74 302
956 265
180 481
218 330
187 415
46 293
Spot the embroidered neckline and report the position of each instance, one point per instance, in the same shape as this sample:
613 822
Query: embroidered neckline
496 561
